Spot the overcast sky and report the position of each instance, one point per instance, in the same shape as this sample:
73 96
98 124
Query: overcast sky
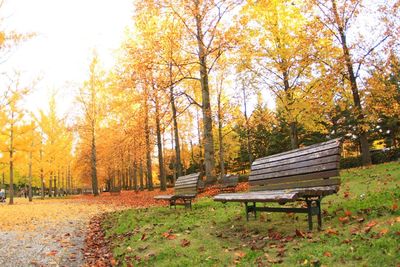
67 32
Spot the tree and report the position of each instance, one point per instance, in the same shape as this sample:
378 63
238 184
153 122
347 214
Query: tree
89 99
340 19
11 116
207 39
280 54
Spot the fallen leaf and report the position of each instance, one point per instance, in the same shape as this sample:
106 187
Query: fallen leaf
395 206
185 243
300 234
327 254
384 231
331 231
347 213
344 219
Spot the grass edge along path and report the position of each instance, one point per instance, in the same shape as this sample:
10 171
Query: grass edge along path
361 228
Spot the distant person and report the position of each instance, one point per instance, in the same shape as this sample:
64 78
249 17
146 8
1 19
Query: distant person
2 195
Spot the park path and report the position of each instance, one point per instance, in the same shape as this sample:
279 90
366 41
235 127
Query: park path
52 232
45 232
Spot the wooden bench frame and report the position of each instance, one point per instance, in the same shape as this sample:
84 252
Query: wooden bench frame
115 191
185 191
304 176
228 183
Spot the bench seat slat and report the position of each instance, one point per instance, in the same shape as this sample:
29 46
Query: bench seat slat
277 195
164 197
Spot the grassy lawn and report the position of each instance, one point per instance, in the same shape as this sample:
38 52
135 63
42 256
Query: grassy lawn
361 227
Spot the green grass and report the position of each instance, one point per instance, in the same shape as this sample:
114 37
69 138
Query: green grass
220 236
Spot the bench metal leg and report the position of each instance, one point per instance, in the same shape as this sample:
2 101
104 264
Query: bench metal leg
247 211
319 215
254 210
309 212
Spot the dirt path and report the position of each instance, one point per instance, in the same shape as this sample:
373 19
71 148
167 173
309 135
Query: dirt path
45 233
52 232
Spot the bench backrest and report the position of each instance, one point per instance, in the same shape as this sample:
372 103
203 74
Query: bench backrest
229 181
310 166
187 184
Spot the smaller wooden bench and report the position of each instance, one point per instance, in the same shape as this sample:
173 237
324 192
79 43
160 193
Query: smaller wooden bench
305 174
228 183
185 191
115 191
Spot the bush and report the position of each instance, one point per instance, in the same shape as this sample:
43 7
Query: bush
350 162
377 157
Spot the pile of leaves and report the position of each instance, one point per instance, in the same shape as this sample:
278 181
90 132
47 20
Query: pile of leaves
97 251
126 199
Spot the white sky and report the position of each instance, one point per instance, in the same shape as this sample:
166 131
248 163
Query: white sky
67 32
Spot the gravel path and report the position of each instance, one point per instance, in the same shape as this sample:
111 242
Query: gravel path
51 246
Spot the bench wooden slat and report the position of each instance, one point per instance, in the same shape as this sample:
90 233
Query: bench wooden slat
269 196
293 172
164 197
288 161
300 177
187 177
298 152
306 183
192 181
298 166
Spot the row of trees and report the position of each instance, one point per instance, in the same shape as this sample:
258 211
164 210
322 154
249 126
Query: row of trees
189 90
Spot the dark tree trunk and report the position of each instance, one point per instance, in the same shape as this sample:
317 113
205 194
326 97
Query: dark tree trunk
94 164
135 180
178 161
149 172
11 189
220 137
209 160
163 182
363 137
141 176
247 127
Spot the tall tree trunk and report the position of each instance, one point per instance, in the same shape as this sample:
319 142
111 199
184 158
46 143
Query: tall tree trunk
42 182
365 154
55 179
209 160
220 137
247 127
30 174
163 182
51 184
93 161
11 150
178 161
141 176
149 173
135 180
294 141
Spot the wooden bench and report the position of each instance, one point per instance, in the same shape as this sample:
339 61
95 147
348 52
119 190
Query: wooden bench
185 191
115 191
228 183
298 175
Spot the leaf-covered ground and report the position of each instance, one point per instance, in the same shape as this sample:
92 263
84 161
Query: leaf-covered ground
361 228
53 231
